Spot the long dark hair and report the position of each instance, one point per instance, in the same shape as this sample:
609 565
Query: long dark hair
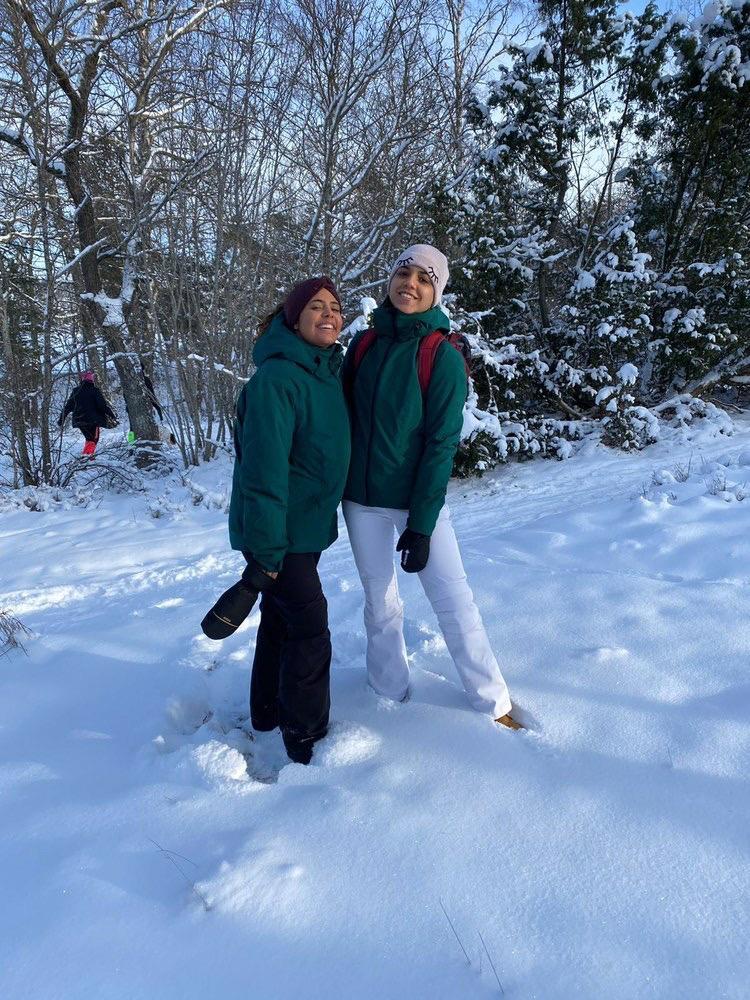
264 324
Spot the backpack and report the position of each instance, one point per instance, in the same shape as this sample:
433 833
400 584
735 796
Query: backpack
426 353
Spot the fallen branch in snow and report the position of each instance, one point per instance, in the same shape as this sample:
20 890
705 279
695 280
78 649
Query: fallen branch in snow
10 629
455 932
107 471
491 962
727 369
170 856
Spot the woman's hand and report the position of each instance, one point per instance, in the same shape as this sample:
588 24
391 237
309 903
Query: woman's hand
415 551
256 577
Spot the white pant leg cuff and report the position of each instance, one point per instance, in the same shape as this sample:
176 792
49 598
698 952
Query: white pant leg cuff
388 694
493 709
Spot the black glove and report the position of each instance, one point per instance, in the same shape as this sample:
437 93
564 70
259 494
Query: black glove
235 604
255 577
415 551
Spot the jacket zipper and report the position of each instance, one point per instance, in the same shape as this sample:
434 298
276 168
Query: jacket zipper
372 417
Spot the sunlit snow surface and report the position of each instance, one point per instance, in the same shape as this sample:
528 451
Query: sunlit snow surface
150 847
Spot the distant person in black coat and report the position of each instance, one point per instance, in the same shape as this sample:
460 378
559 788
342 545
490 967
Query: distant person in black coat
90 410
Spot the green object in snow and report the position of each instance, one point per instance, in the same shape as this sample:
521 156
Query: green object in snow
131 437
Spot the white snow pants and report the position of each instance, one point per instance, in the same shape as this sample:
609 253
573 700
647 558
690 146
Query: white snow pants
372 533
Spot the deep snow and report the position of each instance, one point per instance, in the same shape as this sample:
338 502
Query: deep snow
150 848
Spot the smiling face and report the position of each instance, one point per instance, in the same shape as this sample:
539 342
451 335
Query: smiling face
411 289
320 321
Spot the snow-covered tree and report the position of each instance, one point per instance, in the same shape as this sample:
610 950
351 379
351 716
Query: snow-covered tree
605 327
690 185
600 233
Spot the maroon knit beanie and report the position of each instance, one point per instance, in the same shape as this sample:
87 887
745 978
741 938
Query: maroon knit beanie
301 294
87 376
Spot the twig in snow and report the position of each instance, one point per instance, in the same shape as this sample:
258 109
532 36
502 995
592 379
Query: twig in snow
169 856
10 630
489 957
455 933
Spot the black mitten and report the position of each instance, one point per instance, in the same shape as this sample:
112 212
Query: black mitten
230 611
235 604
414 549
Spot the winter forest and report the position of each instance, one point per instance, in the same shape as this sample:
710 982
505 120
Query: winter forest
168 169
519 761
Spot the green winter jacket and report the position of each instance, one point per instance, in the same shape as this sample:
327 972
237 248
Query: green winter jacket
292 446
403 445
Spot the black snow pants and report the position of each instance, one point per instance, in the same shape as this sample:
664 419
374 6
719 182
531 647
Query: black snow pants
89 431
290 679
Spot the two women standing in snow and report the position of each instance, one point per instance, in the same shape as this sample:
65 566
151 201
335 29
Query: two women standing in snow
406 388
407 391
292 447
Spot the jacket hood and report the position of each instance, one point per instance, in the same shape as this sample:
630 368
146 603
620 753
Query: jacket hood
280 342
391 322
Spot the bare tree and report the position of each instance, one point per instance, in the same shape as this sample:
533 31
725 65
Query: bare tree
462 42
174 167
110 66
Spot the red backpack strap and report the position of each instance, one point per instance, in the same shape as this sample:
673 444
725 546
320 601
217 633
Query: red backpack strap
426 352
362 346
463 347
359 347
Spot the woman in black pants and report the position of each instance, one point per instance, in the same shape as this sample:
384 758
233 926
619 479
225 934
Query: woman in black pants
90 411
291 458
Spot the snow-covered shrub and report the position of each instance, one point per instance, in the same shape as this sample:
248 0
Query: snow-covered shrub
683 410
626 425
477 454
631 429
12 633
681 471
503 418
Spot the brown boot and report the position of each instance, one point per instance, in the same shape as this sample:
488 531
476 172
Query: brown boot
509 722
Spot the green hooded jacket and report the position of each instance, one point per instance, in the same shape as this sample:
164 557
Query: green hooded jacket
292 446
403 445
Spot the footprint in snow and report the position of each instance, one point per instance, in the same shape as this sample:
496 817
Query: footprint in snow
267 757
209 764
346 743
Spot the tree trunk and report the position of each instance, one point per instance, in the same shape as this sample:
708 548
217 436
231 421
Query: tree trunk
18 424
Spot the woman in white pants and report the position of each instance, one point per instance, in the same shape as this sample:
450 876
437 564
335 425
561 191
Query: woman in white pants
406 383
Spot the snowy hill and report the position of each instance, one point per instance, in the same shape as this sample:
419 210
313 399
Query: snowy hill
149 847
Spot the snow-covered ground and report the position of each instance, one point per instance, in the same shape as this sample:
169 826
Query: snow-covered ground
149 847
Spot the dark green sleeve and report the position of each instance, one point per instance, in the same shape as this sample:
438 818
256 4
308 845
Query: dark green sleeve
443 420
266 417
